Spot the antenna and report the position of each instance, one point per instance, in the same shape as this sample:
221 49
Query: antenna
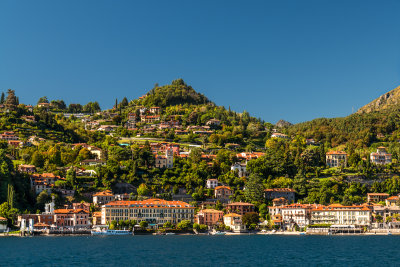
352 110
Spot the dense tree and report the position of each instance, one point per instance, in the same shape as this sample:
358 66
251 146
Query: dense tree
254 189
43 99
250 218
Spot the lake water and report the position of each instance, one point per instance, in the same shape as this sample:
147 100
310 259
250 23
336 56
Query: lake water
245 250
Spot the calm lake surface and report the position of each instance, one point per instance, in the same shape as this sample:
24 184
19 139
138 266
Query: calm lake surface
251 250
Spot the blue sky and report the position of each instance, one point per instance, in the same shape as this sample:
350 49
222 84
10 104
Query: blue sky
292 60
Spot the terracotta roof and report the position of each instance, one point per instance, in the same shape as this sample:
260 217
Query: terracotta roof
150 203
279 190
67 211
339 207
377 194
211 211
39 224
232 215
336 153
222 187
240 204
3 219
104 193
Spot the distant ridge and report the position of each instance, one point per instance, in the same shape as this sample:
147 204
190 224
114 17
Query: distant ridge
386 101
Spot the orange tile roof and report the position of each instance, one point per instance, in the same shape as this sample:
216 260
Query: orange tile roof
279 190
211 211
222 187
336 153
150 203
339 207
3 219
232 215
240 204
104 193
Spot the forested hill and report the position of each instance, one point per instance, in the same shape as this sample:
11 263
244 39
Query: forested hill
378 121
359 129
178 92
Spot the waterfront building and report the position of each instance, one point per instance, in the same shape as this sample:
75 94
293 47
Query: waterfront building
385 211
296 214
277 203
37 218
337 214
376 197
234 222
96 218
70 218
154 211
3 224
240 207
209 217
336 159
287 193
381 157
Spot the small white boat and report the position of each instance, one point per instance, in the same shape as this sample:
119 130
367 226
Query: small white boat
112 232
218 233
169 233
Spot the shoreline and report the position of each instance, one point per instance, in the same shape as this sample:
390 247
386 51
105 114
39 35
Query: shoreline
227 234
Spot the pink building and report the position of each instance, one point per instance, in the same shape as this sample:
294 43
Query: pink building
71 218
209 217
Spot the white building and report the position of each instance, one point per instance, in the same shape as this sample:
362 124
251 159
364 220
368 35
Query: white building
296 214
234 221
381 157
338 214
280 135
212 183
336 159
240 168
104 197
3 224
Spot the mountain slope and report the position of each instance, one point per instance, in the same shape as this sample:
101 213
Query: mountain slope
386 101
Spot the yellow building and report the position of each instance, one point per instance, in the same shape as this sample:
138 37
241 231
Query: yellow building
154 211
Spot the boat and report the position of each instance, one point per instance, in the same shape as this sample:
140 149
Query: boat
111 232
218 233
169 233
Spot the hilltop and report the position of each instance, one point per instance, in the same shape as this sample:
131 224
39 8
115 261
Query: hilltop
176 93
386 101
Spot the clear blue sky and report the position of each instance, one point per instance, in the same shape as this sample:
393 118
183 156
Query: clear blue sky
295 60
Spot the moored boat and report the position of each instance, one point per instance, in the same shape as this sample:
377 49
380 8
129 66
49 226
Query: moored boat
112 232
